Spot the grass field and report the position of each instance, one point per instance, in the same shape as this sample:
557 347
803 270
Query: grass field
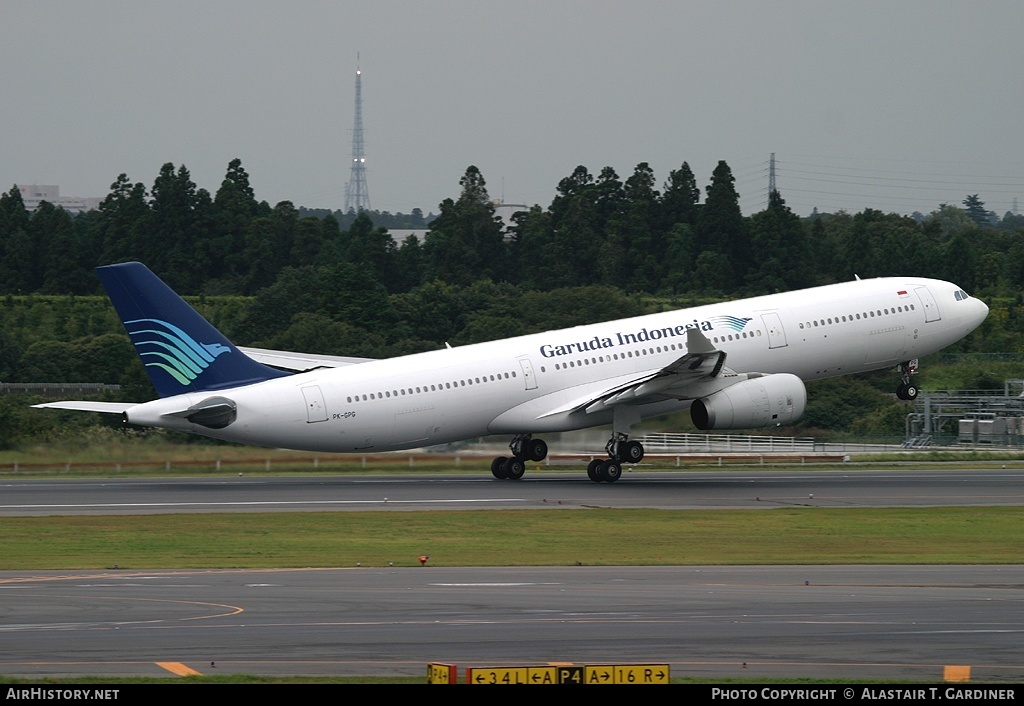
597 537
470 538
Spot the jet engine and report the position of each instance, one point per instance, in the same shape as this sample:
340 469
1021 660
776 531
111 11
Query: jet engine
762 401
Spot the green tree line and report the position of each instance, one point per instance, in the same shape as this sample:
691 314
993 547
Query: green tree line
598 230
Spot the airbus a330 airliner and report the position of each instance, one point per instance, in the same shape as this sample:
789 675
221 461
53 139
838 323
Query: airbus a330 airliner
617 372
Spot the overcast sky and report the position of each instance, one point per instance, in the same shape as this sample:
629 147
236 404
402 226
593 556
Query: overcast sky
895 105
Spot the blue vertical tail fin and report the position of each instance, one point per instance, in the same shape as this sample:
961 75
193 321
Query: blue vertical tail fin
181 350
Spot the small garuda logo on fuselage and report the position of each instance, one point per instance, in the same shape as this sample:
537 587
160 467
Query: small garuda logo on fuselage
733 323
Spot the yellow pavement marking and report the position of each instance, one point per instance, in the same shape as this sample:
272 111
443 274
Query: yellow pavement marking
178 668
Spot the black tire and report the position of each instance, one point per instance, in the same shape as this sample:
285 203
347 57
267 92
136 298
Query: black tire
536 450
910 392
592 467
514 468
633 452
610 471
498 468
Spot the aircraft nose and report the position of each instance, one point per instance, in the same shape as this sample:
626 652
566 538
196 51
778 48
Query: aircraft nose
980 311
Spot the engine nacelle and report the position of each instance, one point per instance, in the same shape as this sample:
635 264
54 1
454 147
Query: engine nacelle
767 400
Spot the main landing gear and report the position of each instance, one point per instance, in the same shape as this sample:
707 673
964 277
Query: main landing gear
524 448
906 390
620 450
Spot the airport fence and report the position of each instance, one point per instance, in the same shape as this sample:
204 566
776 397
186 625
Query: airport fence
668 443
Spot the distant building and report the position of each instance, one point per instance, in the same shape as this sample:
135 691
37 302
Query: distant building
34 194
400 234
504 211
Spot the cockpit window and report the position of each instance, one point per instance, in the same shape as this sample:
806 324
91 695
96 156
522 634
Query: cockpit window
961 295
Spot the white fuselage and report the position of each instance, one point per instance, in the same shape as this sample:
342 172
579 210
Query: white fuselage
529 384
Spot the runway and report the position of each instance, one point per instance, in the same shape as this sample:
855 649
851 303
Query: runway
831 622
746 489
903 623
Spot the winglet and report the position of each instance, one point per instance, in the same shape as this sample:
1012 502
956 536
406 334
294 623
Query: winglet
181 350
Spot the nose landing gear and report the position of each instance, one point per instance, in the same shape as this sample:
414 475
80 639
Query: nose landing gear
906 390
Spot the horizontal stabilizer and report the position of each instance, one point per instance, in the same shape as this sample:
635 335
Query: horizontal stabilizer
299 362
86 406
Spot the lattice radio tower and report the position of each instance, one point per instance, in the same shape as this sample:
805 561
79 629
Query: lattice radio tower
357 196
771 174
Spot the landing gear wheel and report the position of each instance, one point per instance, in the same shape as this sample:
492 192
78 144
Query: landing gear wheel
907 391
536 450
610 471
514 468
498 468
592 467
632 452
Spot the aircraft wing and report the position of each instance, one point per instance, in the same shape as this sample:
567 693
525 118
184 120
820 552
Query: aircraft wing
686 377
299 362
